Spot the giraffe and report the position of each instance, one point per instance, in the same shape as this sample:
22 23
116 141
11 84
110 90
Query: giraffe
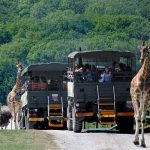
13 98
140 93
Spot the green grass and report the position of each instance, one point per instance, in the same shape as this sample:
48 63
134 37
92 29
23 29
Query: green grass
26 140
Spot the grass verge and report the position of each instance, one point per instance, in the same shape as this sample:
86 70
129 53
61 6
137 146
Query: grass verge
26 140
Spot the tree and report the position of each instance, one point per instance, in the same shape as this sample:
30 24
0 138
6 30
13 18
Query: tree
44 7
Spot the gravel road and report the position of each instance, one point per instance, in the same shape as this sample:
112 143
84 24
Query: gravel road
68 140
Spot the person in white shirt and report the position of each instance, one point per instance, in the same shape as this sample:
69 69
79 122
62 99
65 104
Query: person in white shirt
105 76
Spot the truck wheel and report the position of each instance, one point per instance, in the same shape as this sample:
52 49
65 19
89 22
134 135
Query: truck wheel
22 121
69 121
28 125
69 125
77 124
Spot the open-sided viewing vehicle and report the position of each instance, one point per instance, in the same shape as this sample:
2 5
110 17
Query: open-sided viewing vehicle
91 98
44 98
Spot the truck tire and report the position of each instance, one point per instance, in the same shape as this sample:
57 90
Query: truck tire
77 123
69 120
69 125
28 125
22 121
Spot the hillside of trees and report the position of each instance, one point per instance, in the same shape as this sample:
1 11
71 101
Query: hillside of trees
48 30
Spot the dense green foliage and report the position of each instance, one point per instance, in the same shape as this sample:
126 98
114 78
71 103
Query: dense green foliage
47 30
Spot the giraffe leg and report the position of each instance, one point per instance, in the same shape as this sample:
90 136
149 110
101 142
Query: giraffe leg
136 138
15 121
137 117
18 115
15 115
142 133
143 107
11 123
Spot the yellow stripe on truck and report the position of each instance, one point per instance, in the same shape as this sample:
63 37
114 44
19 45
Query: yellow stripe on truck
82 114
125 114
55 125
36 119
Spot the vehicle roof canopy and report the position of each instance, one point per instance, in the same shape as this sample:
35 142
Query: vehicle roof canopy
45 67
101 54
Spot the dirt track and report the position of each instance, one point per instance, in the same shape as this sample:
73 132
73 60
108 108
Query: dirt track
96 140
68 140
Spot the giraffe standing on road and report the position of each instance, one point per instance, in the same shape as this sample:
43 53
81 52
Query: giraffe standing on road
13 98
140 93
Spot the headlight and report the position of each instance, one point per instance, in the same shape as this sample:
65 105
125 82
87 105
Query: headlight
77 104
33 110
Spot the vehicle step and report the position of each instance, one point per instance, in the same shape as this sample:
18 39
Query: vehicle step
57 117
105 104
107 116
55 106
55 114
103 98
110 110
107 123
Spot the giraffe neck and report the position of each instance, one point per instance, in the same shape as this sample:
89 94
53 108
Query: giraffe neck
17 86
144 71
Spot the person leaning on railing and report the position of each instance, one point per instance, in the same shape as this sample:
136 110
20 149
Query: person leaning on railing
79 74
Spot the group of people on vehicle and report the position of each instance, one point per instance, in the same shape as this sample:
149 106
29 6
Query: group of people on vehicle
41 83
92 74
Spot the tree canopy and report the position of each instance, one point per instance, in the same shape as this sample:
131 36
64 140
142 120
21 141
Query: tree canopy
48 30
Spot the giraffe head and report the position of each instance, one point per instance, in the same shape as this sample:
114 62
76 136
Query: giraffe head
19 66
145 51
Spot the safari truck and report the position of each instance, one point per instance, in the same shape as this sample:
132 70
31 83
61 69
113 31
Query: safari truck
44 96
93 100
